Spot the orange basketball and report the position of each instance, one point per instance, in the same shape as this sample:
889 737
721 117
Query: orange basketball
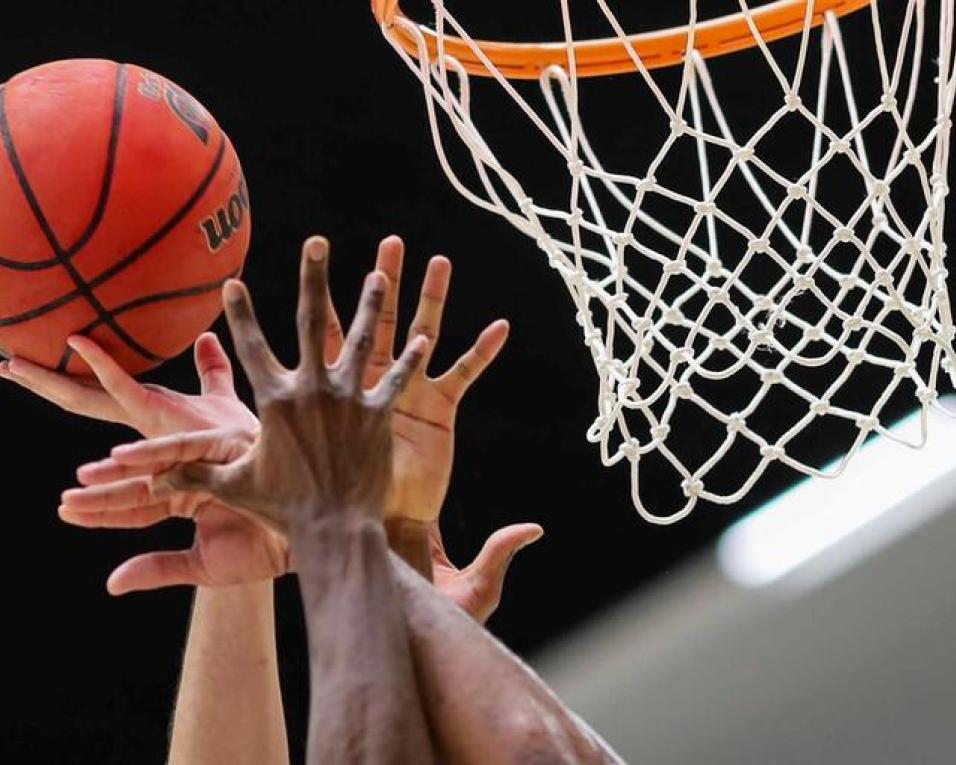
123 209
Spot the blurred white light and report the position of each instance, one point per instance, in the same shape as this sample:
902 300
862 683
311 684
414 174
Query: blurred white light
834 523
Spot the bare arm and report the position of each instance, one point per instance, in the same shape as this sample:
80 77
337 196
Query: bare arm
229 707
365 705
484 705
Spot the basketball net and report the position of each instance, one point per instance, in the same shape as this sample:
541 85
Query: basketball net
835 271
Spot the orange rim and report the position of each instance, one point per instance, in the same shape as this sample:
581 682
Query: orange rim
522 61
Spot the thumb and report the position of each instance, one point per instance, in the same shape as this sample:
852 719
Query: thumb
213 366
490 568
153 571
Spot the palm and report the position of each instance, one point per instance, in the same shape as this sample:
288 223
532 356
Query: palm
423 451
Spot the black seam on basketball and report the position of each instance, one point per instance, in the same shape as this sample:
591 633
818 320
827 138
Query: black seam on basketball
119 104
159 297
34 313
82 287
85 288
119 101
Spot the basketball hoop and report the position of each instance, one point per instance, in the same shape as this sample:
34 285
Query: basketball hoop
805 248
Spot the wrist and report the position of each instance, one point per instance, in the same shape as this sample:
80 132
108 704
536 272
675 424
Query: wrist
409 539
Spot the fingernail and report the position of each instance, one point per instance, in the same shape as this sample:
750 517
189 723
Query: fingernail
317 248
232 291
72 342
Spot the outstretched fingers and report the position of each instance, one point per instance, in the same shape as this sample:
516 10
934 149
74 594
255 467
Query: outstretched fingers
350 369
118 383
213 366
68 393
312 315
457 380
257 359
393 384
391 255
431 304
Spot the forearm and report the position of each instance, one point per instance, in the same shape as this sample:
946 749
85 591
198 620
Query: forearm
365 705
484 705
229 708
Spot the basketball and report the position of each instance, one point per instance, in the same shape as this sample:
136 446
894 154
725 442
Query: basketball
123 209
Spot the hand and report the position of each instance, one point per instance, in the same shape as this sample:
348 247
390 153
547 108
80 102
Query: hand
150 409
324 449
423 428
118 494
228 548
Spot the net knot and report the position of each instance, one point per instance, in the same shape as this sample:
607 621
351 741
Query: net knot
821 407
904 370
883 277
813 333
744 153
705 208
797 191
926 396
888 102
683 390
718 295
646 184
660 432
681 356
673 315
576 217
840 146
617 301
692 487
881 189
678 127
912 156
853 323
802 282
641 324
576 168
630 449
736 423
623 239
843 234
804 254
866 424
855 356
720 343
879 221
772 452
847 282
674 267
526 205
792 102
771 377
758 246
714 267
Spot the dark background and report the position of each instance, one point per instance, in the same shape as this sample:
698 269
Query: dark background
331 132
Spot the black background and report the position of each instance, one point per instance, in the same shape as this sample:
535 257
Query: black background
330 129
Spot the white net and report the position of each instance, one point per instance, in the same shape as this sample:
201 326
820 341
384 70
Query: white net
752 273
